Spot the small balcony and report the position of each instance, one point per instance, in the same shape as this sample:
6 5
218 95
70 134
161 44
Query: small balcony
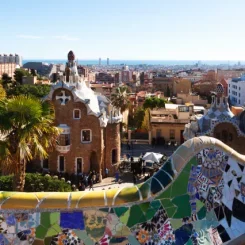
63 148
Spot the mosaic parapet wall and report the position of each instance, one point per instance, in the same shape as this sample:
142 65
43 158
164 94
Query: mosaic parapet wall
198 197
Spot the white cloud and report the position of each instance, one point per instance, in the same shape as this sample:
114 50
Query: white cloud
67 38
29 36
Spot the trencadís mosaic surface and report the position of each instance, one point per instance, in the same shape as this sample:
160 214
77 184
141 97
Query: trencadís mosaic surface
198 197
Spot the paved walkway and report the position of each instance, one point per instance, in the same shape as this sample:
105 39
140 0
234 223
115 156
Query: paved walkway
126 179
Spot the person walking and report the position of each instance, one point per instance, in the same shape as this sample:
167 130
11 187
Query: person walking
134 179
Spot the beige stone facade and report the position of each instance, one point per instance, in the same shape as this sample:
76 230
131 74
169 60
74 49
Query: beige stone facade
8 68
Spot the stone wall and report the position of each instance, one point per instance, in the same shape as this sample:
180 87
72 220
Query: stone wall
198 197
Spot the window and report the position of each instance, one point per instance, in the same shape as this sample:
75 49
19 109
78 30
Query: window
44 163
86 136
183 109
64 139
114 156
61 167
79 165
76 114
172 134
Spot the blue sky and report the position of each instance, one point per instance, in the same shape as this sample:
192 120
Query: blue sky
125 29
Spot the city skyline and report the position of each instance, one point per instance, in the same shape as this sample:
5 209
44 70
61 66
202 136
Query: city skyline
141 30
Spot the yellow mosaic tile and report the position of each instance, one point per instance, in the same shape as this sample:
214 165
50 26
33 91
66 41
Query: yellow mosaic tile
21 201
56 200
93 198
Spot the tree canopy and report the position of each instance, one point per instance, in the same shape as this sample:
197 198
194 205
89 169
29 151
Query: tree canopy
19 74
38 91
2 92
6 80
154 102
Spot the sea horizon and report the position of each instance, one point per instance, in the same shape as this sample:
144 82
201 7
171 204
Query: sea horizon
138 62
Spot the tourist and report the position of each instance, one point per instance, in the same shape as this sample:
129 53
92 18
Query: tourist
134 179
128 146
106 172
91 184
117 176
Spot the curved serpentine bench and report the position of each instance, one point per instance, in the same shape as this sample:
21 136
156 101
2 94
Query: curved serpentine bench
125 196
197 195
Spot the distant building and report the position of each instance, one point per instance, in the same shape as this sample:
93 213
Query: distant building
236 91
228 74
168 124
104 89
83 71
108 61
204 87
99 61
7 68
104 77
126 75
16 59
42 69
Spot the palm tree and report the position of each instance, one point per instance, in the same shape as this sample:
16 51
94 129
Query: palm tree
120 99
26 133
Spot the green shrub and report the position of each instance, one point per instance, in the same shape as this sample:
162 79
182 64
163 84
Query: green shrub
35 182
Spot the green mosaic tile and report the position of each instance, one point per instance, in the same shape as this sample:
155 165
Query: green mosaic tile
150 213
145 188
41 232
171 211
156 204
180 185
166 193
183 206
189 242
135 215
176 223
106 210
124 218
54 230
120 211
199 204
144 206
201 214
166 203
54 218
84 237
45 219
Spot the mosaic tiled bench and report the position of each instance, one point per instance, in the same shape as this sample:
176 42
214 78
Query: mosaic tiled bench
197 197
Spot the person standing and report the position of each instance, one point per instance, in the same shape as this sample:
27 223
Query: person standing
91 184
106 172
